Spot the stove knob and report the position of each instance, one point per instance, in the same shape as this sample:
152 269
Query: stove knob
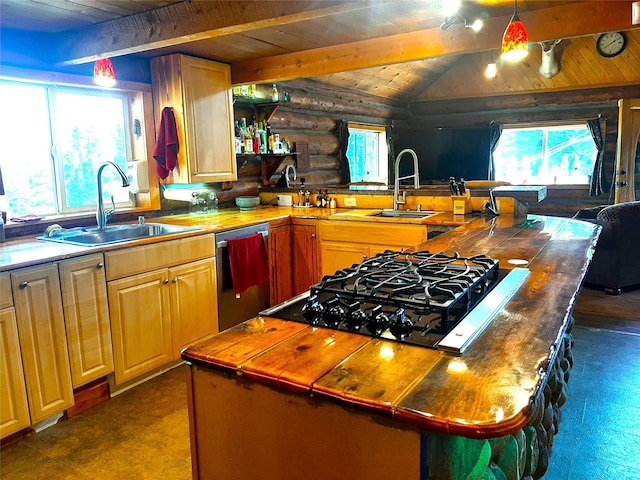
334 313
312 310
355 317
401 324
379 320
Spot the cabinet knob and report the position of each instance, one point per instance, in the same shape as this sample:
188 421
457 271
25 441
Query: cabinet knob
175 280
313 235
165 281
100 265
195 174
24 285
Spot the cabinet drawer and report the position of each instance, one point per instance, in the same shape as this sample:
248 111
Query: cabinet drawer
130 261
368 233
6 297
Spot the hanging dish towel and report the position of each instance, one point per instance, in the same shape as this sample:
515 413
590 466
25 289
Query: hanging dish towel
248 261
167 146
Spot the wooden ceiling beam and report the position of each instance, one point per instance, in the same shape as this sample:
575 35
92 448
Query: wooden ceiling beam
566 21
189 22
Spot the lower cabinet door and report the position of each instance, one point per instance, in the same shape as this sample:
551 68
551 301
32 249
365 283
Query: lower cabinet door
141 323
194 312
305 258
14 409
43 340
335 256
280 264
86 313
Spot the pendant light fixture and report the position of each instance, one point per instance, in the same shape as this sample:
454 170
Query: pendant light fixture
104 74
515 41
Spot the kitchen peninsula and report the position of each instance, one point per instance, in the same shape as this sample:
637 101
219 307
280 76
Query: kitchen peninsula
273 399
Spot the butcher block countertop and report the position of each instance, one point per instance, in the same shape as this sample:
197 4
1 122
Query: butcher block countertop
486 392
27 251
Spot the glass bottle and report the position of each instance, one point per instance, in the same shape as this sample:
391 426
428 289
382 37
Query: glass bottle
274 93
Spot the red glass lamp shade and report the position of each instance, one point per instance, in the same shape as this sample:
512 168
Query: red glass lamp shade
515 42
103 73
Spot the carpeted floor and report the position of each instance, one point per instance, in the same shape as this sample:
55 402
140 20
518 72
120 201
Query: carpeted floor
144 433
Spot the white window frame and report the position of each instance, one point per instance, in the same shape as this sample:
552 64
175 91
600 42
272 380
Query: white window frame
546 129
51 89
382 153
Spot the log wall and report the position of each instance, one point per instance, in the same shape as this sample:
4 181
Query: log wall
314 109
310 116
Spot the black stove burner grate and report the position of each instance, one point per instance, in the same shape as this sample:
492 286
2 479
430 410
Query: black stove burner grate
410 297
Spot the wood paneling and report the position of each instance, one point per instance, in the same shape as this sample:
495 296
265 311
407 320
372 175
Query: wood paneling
581 68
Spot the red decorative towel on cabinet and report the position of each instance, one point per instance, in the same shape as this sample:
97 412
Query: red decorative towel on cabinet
167 145
248 261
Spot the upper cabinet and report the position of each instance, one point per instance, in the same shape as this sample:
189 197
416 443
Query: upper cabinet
199 91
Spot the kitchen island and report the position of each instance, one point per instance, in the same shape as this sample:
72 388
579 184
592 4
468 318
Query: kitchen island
279 399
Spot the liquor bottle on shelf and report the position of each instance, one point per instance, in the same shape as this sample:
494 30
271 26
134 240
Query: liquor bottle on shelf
263 138
274 93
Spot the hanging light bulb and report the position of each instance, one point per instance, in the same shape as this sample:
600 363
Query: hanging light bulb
104 74
515 41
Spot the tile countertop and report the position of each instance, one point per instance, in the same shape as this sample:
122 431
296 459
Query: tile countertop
27 251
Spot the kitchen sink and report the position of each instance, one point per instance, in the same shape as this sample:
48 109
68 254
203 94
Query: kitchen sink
92 237
390 213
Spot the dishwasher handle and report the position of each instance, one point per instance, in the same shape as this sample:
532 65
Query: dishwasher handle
223 243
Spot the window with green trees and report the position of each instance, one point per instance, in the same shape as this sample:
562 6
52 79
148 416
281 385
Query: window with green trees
546 155
54 139
367 153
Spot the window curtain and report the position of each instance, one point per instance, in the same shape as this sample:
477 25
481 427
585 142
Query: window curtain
596 128
494 138
391 154
342 132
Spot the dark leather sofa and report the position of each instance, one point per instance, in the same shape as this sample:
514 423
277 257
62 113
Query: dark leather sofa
616 261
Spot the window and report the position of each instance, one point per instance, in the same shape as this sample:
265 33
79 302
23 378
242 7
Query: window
562 154
54 140
367 153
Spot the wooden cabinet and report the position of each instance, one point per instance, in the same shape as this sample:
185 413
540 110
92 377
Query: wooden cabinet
193 293
305 257
86 313
199 91
141 323
156 313
336 256
41 329
281 264
14 407
343 244
293 257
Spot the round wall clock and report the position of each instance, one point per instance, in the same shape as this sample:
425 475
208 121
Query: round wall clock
611 44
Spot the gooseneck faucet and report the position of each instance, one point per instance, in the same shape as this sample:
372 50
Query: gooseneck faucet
398 178
102 215
286 174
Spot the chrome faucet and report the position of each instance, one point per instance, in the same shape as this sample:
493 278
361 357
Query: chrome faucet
102 215
286 174
398 178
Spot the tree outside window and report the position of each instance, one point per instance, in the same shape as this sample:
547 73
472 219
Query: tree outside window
367 154
545 155
54 141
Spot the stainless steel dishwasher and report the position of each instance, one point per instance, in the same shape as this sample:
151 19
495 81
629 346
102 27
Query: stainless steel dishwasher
234 309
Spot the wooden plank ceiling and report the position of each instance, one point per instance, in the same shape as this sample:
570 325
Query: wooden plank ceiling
393 49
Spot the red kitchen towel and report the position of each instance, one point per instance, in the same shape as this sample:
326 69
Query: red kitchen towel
248 261
167 146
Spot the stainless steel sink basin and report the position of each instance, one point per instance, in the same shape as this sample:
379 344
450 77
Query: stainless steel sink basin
390 213
114 233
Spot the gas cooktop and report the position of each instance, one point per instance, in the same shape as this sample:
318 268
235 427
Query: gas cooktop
417 298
